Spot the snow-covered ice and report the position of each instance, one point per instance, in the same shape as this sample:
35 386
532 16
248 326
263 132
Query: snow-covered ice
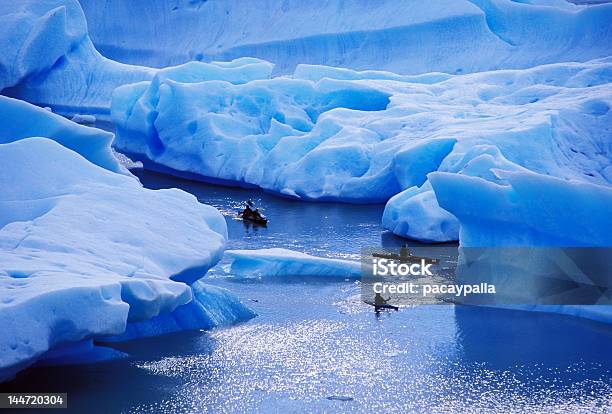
526 209
284 262
84 251
49 59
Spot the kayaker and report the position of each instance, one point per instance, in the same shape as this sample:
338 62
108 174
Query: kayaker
379 300
248 211
256 214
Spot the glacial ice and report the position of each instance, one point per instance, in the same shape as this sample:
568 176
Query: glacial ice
527 209
283 262
211 307
84 119
76 236
505 157
378 138
415 213
401 36
19 119
48 59
326 133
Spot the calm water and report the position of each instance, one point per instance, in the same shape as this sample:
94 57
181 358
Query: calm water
315 347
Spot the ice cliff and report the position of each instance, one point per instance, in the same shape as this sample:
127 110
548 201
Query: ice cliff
403 36
47 58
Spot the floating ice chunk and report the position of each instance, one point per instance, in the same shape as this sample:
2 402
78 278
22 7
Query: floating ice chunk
416 214
529 210
211 307
283 262
367 140
241 133
84 251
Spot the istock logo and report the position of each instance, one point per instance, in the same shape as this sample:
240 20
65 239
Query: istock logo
389 267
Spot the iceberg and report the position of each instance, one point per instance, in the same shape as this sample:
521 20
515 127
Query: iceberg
84 251
401 36
528 209
564 148
210 307
374 138
245 132
416 213
84 119
284 262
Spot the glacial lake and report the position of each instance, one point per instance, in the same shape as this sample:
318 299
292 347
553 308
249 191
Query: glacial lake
314 346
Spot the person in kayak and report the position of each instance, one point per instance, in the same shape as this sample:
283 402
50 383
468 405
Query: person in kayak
379 300
249 213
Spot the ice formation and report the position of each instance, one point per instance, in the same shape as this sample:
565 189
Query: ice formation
48 59
19 119
368 140
526 209
84 119
211 307
75 236
402 36
85 251
283 262
327 133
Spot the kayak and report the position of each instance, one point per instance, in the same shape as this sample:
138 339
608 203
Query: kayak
384 306
376 307
262 221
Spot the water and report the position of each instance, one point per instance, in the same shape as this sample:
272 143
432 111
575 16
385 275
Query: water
315 347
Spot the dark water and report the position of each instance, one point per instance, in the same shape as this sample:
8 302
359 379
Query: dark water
315 347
